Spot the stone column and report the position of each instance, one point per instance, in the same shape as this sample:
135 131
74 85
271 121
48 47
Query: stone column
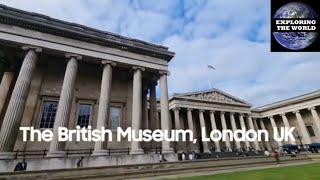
305 136
251 126
104 105
214 127
145 124
243 126
286 124
136 107
192 128
153 107
234 128
165 116
274 126
203 125
316 119
4 88
65 102
177 127
224 127
267 143
17 103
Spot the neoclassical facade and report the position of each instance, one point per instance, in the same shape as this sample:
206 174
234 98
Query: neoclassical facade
215 109
60 74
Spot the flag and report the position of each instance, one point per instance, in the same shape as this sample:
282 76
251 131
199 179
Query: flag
211 67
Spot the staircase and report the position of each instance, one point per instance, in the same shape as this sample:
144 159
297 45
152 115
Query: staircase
150 170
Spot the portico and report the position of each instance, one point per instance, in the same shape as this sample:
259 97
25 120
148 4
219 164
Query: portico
74 75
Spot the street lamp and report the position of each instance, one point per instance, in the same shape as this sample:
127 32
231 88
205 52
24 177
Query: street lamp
300 139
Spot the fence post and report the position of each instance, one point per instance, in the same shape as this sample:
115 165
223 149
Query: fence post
128 151
16 156
90 152
44 153
67 152
109 151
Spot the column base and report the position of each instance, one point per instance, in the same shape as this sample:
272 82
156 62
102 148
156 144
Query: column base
101 152
56 154
7 155
136 151
167 151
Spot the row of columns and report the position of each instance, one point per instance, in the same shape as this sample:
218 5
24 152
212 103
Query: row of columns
305 136
212 121
14 112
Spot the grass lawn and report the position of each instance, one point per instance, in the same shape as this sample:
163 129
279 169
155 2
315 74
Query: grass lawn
299 172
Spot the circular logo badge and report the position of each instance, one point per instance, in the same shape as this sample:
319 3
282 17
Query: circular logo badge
295 40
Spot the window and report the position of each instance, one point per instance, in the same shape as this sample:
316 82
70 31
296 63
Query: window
115 116
84 114
310 131
49 110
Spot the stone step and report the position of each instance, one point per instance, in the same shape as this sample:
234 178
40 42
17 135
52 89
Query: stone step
147 170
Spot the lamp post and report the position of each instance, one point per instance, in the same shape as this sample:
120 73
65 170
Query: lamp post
300 139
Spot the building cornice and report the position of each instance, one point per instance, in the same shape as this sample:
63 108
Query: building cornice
46 24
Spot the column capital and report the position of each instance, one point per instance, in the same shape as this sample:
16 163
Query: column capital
201 110
241 114
69 56
311 108
176 108
212 111
296 112
248 114
282 114
222 112
189 109
35 48
270 117
138 68
164 72
104 62
232 113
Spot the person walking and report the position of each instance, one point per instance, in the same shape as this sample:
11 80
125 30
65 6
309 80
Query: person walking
21 166
276 156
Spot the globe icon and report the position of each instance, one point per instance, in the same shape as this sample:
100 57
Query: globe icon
295 40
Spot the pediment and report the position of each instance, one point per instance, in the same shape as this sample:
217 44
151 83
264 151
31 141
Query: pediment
214 95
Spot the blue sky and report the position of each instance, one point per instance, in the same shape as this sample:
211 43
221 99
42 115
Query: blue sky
233 36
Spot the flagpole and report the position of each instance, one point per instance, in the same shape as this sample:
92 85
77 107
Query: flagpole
208 77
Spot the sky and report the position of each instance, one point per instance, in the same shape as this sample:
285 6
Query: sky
232 36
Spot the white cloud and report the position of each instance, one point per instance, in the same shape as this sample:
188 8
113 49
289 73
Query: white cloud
201 32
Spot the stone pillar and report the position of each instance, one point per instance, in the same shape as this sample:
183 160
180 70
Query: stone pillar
193 147
243 126
136 107
17 103
145 124
153 107
224 127
177 127
305 136
286 124
4 88
214 127
65 102
267 143
274 126
165 116
316 119
104 105
234 128
203 125
251 126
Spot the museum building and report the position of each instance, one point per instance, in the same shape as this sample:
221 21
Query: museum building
61 74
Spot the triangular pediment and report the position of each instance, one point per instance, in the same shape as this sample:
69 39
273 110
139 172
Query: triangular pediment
213 95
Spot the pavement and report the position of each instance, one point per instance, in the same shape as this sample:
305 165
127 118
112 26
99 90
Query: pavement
177 176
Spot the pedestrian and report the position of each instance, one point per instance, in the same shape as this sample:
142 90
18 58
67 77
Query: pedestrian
276 156
183 156
80 162
21 166
190 156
